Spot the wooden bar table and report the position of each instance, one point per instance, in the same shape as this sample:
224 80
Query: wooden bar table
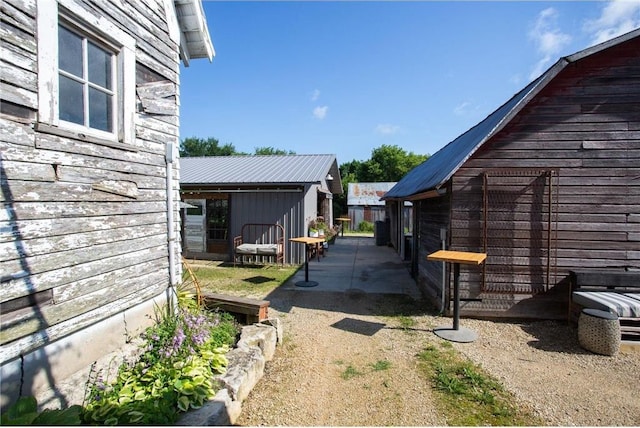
457 334
307 240
342 221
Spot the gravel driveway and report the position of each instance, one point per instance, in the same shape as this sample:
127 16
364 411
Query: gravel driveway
324 374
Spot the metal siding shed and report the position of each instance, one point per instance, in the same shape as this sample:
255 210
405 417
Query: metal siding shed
255 170
368 193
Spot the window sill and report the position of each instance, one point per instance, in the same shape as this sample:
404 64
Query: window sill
87 138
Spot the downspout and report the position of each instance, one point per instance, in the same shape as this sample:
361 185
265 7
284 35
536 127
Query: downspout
171 239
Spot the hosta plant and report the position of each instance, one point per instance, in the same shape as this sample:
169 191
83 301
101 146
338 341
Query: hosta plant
175 371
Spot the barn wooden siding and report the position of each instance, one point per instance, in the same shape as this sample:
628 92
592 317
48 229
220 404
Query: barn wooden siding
83 232
432 215
584 127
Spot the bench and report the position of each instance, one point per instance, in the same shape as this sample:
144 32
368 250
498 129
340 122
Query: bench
259 242
617 292
246 310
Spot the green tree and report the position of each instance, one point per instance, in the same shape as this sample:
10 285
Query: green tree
192 147
390 163
349 173
387 164
272 151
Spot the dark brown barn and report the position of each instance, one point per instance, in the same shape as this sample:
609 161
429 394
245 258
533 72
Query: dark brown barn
547 183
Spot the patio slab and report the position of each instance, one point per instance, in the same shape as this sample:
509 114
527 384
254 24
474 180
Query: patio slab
356 264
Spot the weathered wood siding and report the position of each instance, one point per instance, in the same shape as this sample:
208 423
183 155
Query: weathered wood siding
432 216
83 225
586 125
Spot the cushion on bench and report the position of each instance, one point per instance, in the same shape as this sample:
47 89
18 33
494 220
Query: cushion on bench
247 249
625 305
268 249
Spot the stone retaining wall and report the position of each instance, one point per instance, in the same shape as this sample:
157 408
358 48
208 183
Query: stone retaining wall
256 346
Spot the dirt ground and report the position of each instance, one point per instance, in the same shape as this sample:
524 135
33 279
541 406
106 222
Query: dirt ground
325 372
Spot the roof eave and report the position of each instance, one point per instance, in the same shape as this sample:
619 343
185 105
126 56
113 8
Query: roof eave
543 80
195 41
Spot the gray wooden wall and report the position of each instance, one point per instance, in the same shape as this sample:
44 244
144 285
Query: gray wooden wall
83 229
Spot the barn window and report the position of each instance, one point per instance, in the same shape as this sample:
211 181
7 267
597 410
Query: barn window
86 74
86 85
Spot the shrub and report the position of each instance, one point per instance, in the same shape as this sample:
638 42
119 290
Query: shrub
365 226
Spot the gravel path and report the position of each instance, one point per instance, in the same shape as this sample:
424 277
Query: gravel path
329 336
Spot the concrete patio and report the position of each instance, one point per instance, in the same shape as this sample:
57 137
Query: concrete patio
357 264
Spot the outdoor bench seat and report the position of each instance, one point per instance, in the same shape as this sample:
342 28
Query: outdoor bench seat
622 304
248 310
260 243
614 291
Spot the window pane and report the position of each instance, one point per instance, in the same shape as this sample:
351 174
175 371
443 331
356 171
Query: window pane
69 51
100 110
99 66
71 105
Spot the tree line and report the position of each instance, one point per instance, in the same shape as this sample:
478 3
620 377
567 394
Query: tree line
197 147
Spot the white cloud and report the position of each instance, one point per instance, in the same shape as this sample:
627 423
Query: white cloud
462 108
387 129
547 35
617 17
320 112
315 95
548 38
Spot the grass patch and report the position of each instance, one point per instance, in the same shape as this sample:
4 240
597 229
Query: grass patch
381 365
356 233
466 394
243 281
350 372
406 322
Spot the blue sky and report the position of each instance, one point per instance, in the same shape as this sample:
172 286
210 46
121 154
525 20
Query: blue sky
347 77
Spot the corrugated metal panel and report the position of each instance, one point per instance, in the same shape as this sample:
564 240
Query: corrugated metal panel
270 208
367 193
286 169
439 168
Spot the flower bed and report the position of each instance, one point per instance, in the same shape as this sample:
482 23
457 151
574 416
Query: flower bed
175 372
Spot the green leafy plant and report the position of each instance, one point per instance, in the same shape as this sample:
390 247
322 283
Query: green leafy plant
365 226
175 372
25 412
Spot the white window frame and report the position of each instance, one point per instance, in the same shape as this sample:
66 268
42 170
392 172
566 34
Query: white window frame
100 29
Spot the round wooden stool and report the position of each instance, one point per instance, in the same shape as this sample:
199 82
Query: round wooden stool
599 331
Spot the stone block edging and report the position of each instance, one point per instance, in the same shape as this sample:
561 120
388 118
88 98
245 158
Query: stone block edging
247 360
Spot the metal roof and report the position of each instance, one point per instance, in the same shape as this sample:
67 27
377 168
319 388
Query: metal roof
268 169
438 169
195 41
367 193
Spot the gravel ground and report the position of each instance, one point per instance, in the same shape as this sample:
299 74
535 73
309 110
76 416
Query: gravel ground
331 335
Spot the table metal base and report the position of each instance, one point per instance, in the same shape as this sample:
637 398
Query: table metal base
306 283
462 334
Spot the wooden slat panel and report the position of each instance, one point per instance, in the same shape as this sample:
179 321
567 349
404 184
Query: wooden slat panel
44 333
55 278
